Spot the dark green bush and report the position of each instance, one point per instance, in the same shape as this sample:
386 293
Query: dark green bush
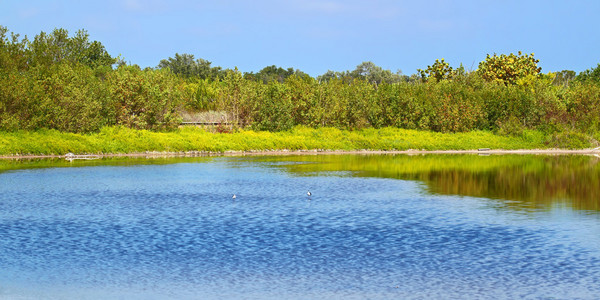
145 99
69 84
273 111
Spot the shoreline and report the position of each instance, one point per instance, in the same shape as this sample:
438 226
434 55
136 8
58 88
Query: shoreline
594 151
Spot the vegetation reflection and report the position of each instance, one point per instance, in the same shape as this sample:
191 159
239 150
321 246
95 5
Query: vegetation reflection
525 181
520 181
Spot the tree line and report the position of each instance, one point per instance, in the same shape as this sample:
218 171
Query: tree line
70 83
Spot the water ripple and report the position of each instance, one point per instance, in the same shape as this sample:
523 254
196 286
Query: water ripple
150 232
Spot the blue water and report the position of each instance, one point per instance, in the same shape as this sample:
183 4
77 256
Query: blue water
173 231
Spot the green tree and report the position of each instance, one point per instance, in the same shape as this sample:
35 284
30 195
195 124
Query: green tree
186 66
273 111
302 92
564 77
13 52
70 98
273 73
146 99
508 69
592 74
440 70
365 71
376 74
237 96
331 75
202 94
57 47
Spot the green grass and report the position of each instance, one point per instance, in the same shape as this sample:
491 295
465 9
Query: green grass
123 140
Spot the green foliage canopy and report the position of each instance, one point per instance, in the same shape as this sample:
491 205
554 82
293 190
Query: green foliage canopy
564 77
592 75
440 70
273 73
508 69
186 66
366 71
69 83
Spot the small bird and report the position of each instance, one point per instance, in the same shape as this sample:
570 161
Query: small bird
309 193
234 196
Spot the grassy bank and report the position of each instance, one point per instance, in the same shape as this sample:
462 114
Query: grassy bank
125 140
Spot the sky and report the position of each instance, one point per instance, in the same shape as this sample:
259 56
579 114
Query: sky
317 36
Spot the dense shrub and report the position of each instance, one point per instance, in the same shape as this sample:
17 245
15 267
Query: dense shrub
71 84
590 75
145 99
508 69
273 110
67 83
583 107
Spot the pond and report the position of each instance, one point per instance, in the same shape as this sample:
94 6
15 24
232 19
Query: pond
375 227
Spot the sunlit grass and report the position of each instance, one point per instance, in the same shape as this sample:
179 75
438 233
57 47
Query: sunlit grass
125 140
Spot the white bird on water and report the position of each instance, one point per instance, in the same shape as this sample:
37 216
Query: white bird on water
234 196
309 193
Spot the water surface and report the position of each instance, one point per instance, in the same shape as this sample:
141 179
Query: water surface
376 227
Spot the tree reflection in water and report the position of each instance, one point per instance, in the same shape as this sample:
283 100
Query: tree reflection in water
521 181
524 181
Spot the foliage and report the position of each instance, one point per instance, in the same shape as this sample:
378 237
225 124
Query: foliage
564 77
202 95
67 83
145 99
56 47
440 70
13 52
71 99
67 97
236 96
273 109
329 75
273 73
592 75
375 74
508 69
70 84
583 108
365 71
185 66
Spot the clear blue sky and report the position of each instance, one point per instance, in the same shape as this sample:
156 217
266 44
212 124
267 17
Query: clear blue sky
316 36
